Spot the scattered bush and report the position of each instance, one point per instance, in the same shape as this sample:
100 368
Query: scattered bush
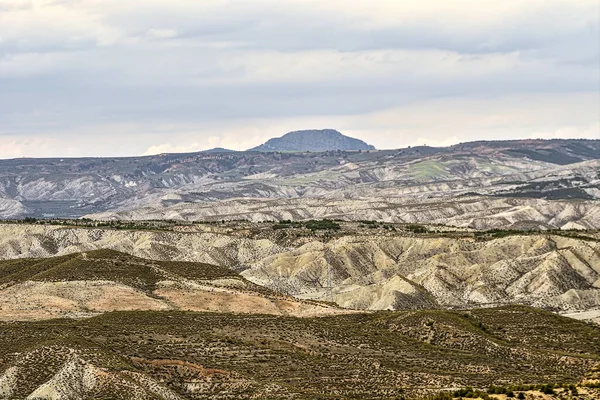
573 390
416 228
547 389
324 224
471 393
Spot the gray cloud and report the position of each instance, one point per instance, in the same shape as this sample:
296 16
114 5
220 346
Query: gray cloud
160 70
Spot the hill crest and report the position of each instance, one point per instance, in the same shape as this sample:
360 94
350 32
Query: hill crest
313 140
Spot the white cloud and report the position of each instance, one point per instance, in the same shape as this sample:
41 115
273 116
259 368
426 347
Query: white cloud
171 148
160 76
591 131
438 122
450 120
39 147
161 33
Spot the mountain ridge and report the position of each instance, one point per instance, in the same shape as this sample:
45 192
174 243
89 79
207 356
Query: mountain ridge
377 182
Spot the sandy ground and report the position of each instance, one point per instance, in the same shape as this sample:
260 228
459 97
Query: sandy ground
43 300
79 299
195 297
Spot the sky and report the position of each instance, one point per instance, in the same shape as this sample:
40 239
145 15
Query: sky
118 78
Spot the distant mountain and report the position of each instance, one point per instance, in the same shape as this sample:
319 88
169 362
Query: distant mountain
524 178
313 140
218 150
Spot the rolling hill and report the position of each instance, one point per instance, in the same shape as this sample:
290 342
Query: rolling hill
370 267
189 355
86 284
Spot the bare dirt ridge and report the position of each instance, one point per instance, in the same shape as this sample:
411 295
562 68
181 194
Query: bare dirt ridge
87 284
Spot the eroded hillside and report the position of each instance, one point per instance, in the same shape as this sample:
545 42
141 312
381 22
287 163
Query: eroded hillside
483 185
86 284
376 271
399 272
468 212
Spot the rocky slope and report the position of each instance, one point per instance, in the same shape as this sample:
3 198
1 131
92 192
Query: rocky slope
61 373
377 271
313 140
291 185
10 208
395 272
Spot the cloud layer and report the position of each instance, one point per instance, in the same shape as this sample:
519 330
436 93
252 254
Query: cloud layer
113 77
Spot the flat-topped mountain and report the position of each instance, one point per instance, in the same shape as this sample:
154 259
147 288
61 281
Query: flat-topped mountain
313 140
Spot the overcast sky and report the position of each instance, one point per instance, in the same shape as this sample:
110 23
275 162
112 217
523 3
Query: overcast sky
129 77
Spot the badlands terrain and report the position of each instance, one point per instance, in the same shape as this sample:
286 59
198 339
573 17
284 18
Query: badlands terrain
532 184
370 266
239 310
87 284
342 272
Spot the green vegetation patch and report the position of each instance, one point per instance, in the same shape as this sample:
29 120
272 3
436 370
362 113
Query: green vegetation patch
108 265
427 169
371 355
